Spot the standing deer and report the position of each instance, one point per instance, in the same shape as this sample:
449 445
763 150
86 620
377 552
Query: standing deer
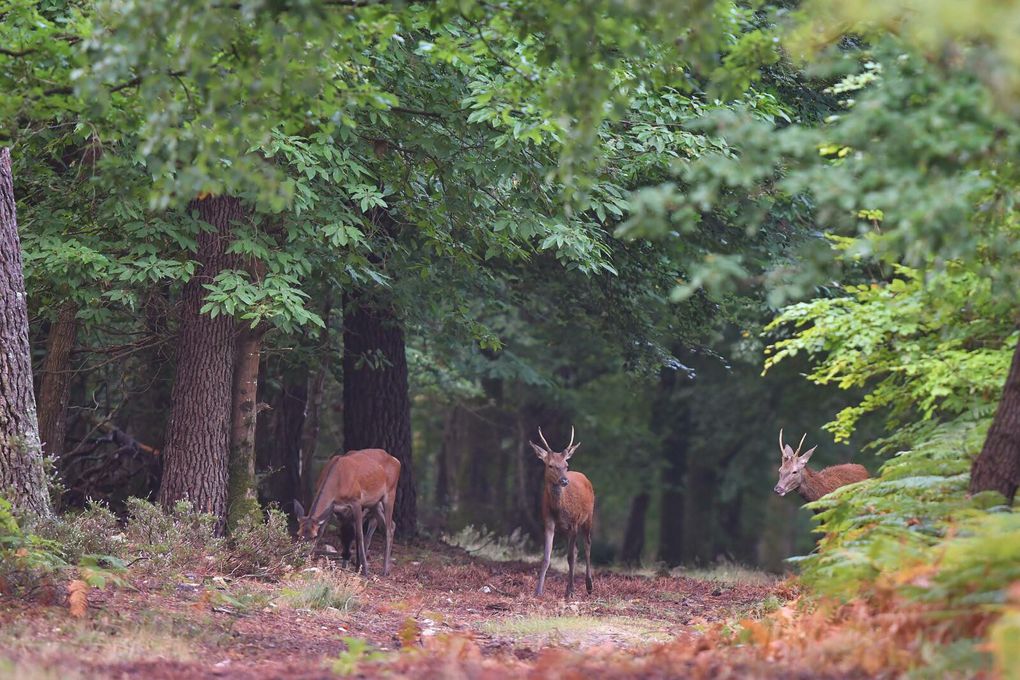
794 474
350 485
568 504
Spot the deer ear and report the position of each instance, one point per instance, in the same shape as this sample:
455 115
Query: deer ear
802 461
325 515
299 509
787 451
539 451
569 452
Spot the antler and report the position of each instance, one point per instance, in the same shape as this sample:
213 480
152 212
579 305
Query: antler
542 437
571 437
797 452
781 449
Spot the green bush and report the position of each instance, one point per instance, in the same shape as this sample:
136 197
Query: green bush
175 540
93 531
25 558
263 548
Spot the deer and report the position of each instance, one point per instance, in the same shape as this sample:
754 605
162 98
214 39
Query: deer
795 475
568 504
349 485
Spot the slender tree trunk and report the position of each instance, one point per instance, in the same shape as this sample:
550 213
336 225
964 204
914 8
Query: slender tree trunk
278 442
997 467
313 406
242 499
671 421
377 406
55 384
634 536
22 478
197 446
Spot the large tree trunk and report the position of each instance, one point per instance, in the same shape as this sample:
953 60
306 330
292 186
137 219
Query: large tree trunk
55 381
242 499
377 406
634 537
198 433
997 467
22 479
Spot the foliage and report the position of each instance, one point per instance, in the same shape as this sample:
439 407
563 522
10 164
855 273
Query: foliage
262 547
183 538
93 531
25 558
357 652
923 347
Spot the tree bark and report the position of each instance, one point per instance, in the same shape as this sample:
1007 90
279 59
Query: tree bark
22 478
377 406
278 443
313 405
634 536
671 421
198 433
997 467
242 497
55 384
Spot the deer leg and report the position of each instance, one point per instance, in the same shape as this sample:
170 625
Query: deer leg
359 529
571 558
550 531
386 510
588 583
373 522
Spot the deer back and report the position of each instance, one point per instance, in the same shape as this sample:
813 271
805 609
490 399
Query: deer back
817 484
389 464
348 480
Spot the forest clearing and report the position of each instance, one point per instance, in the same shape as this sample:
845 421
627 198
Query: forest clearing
452 338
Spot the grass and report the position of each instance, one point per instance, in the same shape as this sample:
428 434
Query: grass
579 629
326 589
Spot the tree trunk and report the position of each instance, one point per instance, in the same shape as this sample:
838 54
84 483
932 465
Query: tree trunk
671 421
242 498
997 467
278 442
634 537
22 478
377 406
56 381
313 406
197 446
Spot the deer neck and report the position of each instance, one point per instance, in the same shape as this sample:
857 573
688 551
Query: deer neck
810 488
553 496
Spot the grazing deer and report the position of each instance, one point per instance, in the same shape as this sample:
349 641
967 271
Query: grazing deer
568 504
349 485
794 474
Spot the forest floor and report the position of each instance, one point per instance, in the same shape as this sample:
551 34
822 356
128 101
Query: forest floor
441 613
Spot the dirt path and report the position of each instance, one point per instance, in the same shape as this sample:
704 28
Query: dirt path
437 598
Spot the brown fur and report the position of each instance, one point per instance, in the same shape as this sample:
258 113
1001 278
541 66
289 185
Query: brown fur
814 485
568 504
352 483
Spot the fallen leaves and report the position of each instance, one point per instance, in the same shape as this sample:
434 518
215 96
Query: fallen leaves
78 598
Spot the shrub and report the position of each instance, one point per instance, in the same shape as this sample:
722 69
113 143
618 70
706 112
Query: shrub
93 531
25 558
171 541
263 549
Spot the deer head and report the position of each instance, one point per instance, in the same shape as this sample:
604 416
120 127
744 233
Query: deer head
310 527
555 462
791 471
